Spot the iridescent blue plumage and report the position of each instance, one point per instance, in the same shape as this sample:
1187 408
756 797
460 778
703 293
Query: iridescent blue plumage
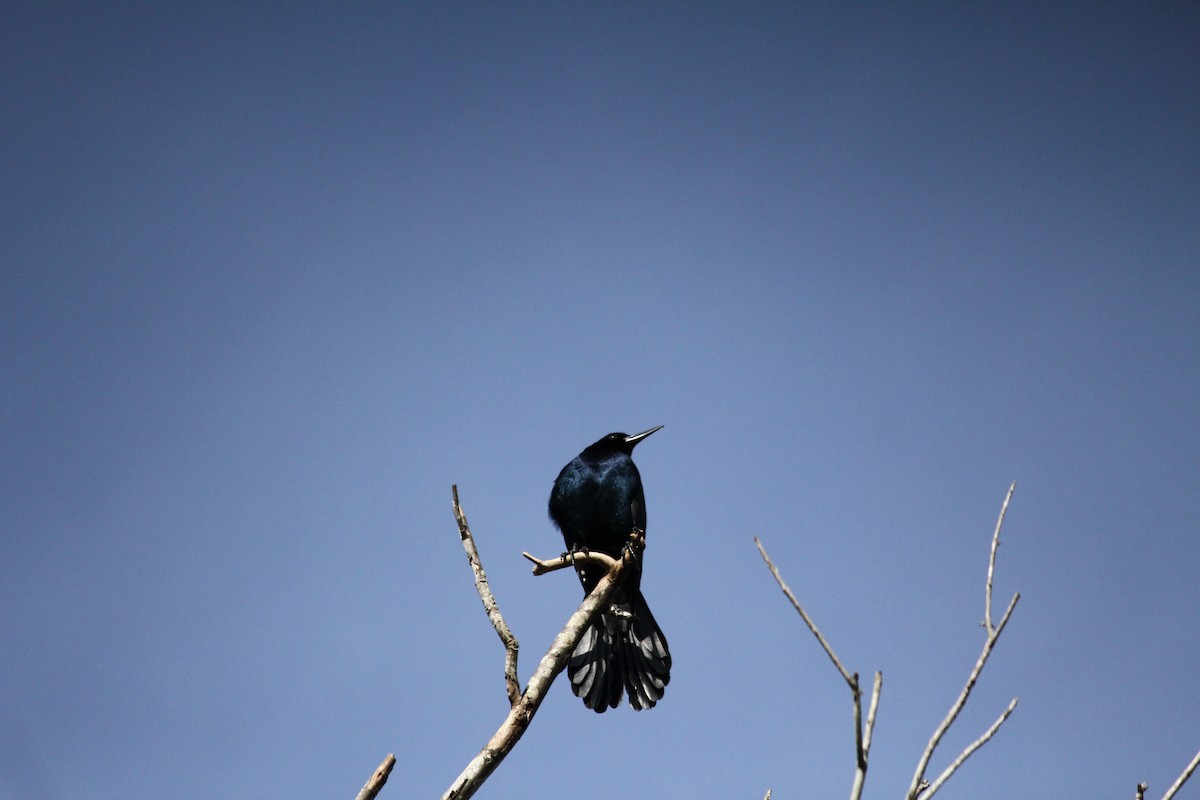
596 502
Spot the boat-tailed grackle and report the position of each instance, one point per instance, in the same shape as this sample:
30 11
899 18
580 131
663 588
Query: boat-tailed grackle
596 502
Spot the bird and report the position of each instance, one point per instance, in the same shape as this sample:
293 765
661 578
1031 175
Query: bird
596 502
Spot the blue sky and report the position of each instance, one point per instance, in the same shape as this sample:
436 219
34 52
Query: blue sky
274 276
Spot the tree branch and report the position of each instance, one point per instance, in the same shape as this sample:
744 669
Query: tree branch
862 738
918 785
987 606
543 565
377 780
971 748
1182 779
812 626
511 646
521 714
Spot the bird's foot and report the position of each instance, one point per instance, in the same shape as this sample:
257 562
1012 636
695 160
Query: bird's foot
630 549
570 554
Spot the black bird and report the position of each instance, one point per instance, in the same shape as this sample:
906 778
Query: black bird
596 502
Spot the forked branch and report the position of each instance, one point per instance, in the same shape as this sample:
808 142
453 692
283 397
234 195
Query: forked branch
919 786
527 702
511 646
862 733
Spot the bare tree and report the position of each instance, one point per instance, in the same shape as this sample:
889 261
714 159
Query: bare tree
920 787
525 702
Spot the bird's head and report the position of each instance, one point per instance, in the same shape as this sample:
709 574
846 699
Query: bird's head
622 442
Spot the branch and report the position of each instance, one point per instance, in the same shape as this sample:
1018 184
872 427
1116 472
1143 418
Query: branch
918 785
376 781
521 714
1182 779
812 626
987 606
862 738
543 565
971 748
511 646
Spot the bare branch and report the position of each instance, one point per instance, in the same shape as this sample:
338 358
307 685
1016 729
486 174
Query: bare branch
521 714
1140 794
860 756
919 784
862 739
543 565
987 606
875 692
935 739
864 736
960 702
966 753
378 779
807 619
511 646
1182 779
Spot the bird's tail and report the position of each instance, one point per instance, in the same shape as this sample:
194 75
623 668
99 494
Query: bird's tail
623 649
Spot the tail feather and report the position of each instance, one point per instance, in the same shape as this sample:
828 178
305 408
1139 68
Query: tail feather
588 668
648 661
621 651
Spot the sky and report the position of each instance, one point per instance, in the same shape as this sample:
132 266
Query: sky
275 276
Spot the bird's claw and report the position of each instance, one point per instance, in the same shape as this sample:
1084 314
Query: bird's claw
570 554
638 536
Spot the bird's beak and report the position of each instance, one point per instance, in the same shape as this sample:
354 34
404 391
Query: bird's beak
637 437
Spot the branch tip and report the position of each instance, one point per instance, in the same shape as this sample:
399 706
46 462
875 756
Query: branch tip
377 779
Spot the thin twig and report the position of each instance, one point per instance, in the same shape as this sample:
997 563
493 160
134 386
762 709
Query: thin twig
966 753
378 779
543 565
511 646
919 784
987 618
960 701
862 739
812 626
1140 794
555 660
1182 779
876 690
860 756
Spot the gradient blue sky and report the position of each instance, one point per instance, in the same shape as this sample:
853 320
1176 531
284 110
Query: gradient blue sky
274 276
